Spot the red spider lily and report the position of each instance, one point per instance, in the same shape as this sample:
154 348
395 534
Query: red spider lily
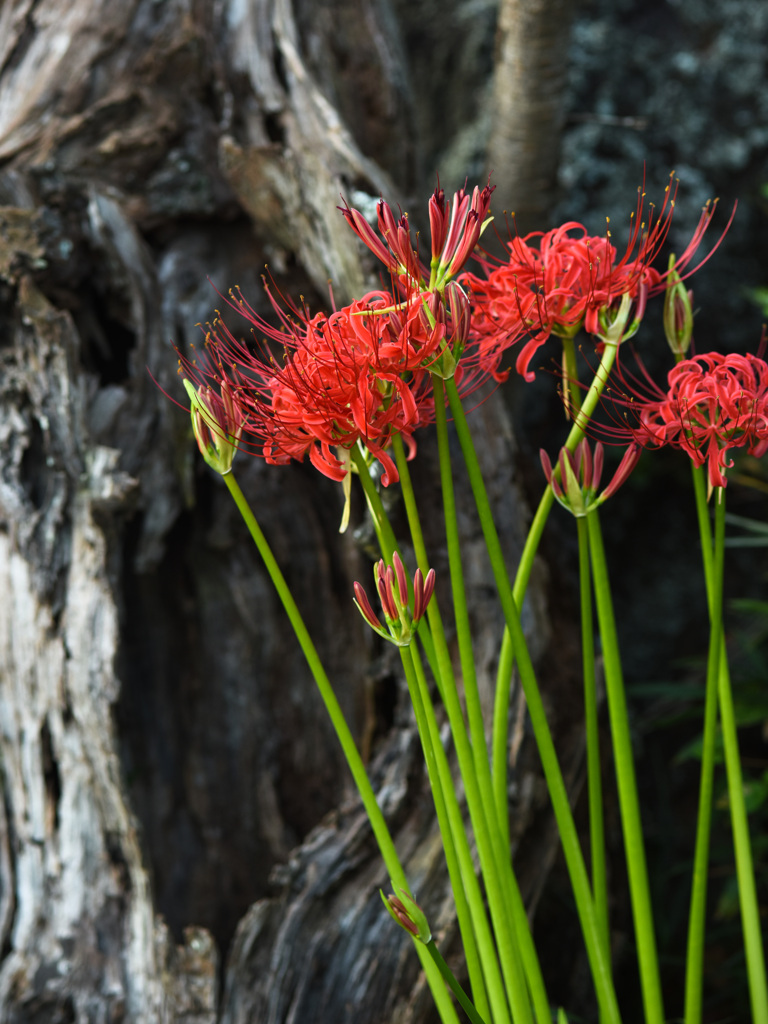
394 248
713 403
560 281
578 486
456 230
359 374
392 586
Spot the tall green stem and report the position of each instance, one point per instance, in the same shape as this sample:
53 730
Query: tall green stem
479 948
626 782
694 963
351 753
591 726
497 861
454 986
507 654
599 965
745 874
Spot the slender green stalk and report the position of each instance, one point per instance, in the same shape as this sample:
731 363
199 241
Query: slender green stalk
627 785
502 925
570 383
454 986
594 767
381 524
507 654
694 963
351 753
745 874
479 948
500 862
599 965
437 783
461 611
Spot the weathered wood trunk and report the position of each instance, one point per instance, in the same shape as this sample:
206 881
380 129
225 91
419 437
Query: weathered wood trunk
162 750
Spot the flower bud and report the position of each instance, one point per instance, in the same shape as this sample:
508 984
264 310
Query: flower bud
678 314
576 488
408 914
217 423
615 325
392 586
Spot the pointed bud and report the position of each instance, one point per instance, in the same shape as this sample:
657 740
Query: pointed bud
614 323
364 607
678 312
408 914
580 473
391 582
624 471
217 424
460 313
384 579
402 582
422 593
438 221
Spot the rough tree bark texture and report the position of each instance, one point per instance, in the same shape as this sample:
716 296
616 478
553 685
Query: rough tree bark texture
528 102
162 751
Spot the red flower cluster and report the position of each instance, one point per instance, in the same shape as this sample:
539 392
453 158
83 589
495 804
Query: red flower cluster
564 280
455 228
360 374
713 403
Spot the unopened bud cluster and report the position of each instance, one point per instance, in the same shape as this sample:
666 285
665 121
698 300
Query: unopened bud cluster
577 487
392 585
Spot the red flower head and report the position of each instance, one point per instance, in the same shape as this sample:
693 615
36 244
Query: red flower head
561 281
393 245
357 375
714 403
456 230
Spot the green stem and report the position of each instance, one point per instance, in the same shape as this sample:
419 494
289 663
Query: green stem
745 874
627 785
479 949
460 610
384 532
499 861
694 963
442 670
558 793
351 753
507 654
451 982
570 383
591 725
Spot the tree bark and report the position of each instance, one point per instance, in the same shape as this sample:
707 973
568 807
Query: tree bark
529 106
178 838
